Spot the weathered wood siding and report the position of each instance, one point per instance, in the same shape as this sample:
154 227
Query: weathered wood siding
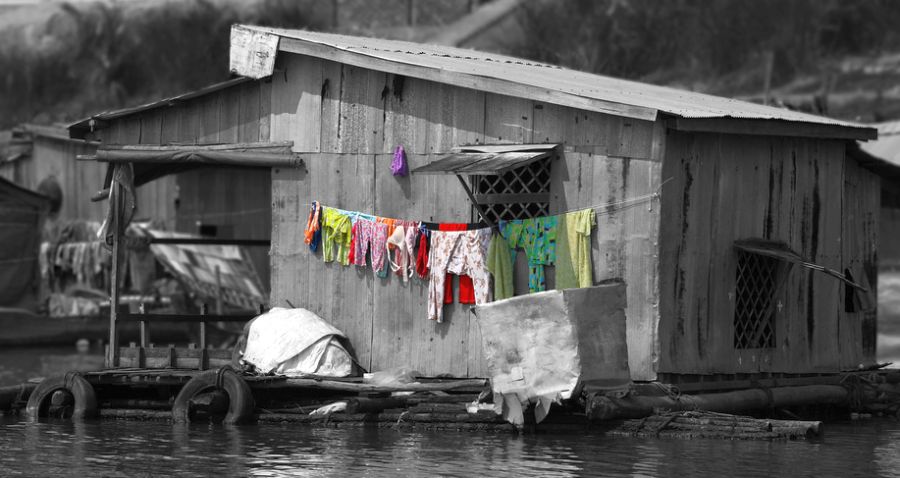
348 121
803 192
236 200
78 181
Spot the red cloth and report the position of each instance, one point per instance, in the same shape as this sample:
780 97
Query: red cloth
352 255
422 257
466 287
466 290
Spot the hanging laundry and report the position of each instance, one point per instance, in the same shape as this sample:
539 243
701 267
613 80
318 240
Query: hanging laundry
336 229
370 235
422 253
398 164
403 241
313 233
458 252
500 266
466 288
354 231
537 236
573 250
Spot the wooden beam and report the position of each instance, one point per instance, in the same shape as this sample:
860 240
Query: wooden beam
197 157
465 80
210 241
311 383
113 347
277 146
773 127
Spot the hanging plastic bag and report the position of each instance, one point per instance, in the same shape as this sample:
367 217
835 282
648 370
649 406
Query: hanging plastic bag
398 165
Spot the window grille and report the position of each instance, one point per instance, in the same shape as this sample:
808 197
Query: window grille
517 194
758 284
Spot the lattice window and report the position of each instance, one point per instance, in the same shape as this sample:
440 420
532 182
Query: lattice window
517 194
758 285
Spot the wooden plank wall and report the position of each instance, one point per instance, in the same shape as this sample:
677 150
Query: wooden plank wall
861 233
237 200
78 181
729 187
348 121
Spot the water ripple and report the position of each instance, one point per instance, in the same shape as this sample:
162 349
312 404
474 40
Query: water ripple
122 448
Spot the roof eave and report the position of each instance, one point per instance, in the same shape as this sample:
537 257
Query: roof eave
772 127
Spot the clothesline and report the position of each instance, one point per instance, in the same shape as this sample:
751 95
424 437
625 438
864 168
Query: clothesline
607 208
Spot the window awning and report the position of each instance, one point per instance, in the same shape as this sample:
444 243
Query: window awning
781 251
492 159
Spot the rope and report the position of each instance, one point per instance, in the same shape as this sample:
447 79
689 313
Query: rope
608 208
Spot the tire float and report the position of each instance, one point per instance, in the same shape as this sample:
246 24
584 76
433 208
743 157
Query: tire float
240 398
62 395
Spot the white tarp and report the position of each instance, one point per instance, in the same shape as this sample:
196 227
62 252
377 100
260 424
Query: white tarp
296 342
542 348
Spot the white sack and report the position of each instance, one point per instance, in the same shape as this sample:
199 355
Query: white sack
296 342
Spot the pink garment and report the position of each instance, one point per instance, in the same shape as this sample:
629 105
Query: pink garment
458 252
403 242
374 234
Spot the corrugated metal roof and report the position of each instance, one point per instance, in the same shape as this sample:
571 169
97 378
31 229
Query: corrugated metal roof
575 85
487 159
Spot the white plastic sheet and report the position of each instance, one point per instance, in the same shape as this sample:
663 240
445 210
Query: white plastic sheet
296 342
544 347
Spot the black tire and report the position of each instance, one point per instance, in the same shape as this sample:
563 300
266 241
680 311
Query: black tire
81 390
240 398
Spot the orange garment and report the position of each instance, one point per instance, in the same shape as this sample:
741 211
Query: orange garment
312 223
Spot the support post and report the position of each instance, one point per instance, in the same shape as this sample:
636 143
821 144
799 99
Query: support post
475 202
204 310
112 358
203 362
145 328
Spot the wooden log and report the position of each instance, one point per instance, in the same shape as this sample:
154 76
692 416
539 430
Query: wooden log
712 424
315 384
636 406
137 403
373 405
135 414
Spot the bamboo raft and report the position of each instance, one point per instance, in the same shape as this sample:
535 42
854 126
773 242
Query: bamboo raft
441 403
700 424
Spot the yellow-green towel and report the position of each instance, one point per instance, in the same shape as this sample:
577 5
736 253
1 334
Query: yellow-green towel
573 250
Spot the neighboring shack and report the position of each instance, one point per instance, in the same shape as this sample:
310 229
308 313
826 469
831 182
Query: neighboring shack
214 202
22 213
711 210
887 149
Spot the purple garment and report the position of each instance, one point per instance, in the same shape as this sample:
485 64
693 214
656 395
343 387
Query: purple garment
398 165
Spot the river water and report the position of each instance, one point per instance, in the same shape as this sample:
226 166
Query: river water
109 448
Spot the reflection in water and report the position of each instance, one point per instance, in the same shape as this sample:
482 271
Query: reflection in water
127 448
